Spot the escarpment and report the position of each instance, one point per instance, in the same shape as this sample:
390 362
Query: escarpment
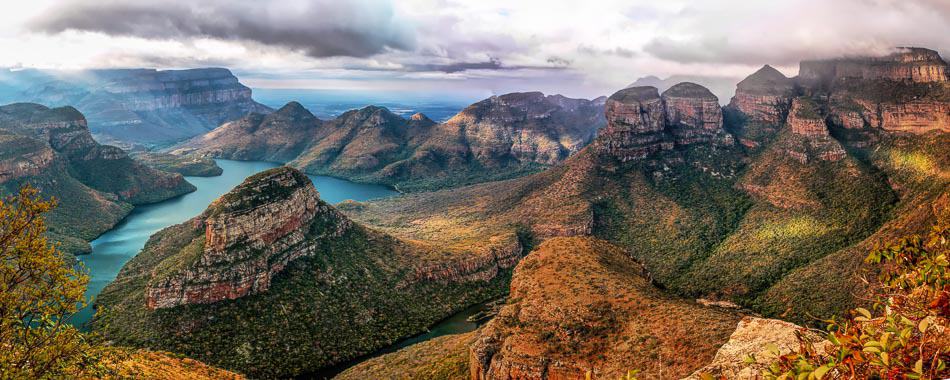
916 65
906 91
142 106
52 150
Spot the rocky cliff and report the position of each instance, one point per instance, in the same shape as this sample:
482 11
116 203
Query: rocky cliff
500 137
273 282
143 106
96 185
641 123
916 65
907 91
764 97
250 235
814 143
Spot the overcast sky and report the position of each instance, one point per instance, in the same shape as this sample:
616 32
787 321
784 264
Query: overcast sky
578 48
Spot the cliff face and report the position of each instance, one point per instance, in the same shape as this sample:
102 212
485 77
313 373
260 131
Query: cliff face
641 123
815 143
53 150
764 97
907 91
636 121
142 106
497 138
270 256
915 65
250 235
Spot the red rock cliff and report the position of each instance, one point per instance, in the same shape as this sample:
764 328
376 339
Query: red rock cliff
250 234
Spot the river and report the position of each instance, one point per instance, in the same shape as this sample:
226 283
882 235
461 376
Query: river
117 246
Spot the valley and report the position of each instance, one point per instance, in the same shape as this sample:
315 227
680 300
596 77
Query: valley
357 201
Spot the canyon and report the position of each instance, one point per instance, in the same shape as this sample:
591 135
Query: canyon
766 205
52 149
140 107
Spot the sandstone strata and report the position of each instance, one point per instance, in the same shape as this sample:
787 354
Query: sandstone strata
250 235
764 97
694 115
915 65
52 150
144 106
641 123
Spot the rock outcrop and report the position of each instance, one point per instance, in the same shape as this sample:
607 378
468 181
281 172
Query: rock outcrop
497 138
52 150
815 143
636 122
250 235
694 115
764 97
641 123
144 106
751 338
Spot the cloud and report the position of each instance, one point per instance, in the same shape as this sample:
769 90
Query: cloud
318 28
783 33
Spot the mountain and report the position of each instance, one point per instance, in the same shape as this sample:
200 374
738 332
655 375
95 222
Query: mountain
779 224
723 86
500 137
273 282
649 246
96 185
146 107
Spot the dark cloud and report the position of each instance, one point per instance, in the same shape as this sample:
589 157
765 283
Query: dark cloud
318 28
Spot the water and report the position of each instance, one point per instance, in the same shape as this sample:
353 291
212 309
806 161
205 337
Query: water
327 104
114 248
456 324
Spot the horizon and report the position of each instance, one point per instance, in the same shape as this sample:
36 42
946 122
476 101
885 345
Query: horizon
580 51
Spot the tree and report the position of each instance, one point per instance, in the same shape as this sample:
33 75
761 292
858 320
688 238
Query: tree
906 335
39 291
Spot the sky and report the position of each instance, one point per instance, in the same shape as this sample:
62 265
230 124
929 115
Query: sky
577 48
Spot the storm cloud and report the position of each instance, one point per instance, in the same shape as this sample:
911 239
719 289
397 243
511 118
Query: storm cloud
318 28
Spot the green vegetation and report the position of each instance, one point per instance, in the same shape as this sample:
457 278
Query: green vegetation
906 334
40 291
351 296
186 165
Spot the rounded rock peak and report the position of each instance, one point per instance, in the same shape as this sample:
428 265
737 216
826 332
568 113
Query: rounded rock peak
690 90
265 187
635 95
766 80
295 110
